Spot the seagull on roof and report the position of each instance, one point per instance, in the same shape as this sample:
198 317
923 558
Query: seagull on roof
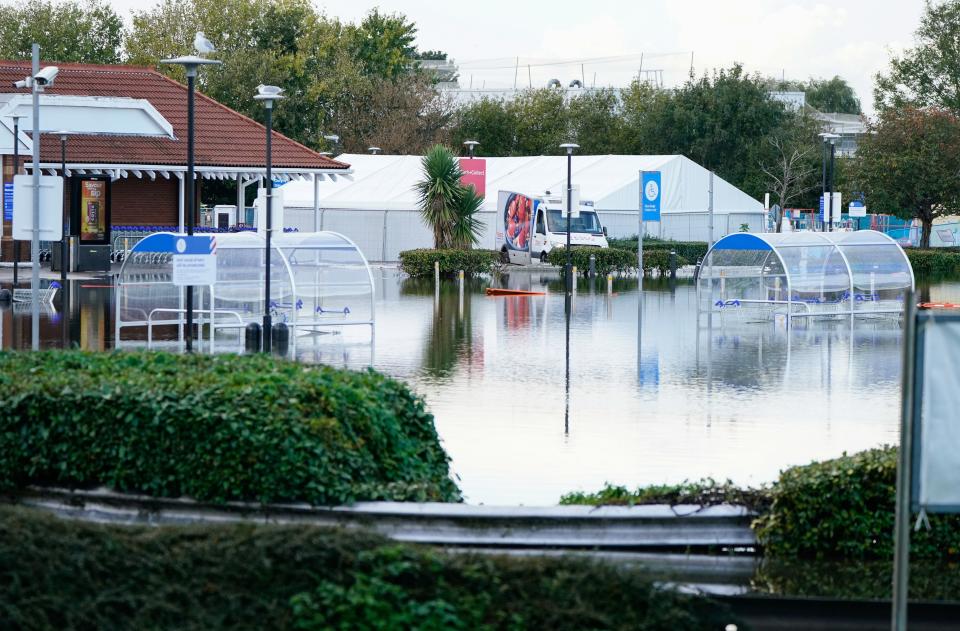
202 45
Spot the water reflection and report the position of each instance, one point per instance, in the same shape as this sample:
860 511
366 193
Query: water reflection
681 398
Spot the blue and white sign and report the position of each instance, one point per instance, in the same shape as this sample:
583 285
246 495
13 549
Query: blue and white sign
8 202
857 208
194 260
652 194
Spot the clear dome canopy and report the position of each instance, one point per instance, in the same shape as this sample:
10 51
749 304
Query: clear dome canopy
317 280
805 274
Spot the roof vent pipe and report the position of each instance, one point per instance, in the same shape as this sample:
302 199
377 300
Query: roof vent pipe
553 83
576 83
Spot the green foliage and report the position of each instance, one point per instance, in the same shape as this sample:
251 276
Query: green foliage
447 206
419 263
792 165
692 251
87 32
934 261
383 44
215 429
844 509
929 73
921 147
705 492
71 575
832 95
608 260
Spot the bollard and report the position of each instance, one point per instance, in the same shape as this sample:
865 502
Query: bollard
460 276
609 283
673 264
573 273
280 338
251 338
436 272
593 266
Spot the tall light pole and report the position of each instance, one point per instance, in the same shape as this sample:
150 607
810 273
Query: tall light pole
267 94
190 64
16 171
334 140
470 145
569 147
828 139
64 256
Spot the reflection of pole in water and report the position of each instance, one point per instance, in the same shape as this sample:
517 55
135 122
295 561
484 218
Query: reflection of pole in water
566 415
709 368
460 279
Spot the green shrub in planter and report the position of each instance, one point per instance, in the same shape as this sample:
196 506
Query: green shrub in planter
934 261
843 508
419 263
608 260
62 574
215 428
692 251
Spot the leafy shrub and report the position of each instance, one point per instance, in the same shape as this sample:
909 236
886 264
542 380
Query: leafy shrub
608 260
215 428
934 261
844 508
60 574
419 263
692 251
706 492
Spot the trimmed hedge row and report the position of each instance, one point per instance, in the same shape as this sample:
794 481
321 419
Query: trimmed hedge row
612 260
692 251
61 574
419 263
836 509
934 261
217 428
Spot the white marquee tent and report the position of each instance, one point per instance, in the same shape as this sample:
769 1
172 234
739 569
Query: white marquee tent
378 209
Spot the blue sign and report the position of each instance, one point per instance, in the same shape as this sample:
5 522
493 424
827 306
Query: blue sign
821 208
177 244
279 183
8 202
651 195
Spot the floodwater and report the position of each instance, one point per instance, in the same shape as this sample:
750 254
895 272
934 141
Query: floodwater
682 397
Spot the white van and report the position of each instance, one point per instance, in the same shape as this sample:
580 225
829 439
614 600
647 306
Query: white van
530 226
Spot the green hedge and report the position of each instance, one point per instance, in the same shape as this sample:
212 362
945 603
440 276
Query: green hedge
61 574
692 251
419 263
836 509
934 261
844 508
612 260
215 428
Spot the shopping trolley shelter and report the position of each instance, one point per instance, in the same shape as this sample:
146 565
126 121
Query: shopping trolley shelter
805 274
143 177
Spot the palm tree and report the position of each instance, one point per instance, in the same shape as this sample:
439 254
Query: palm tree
440 191
466 228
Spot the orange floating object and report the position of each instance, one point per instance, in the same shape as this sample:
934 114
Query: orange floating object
493 291
938 305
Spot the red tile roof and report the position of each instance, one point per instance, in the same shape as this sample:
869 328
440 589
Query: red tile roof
223 137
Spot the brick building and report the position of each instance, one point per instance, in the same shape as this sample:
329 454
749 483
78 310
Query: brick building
147 173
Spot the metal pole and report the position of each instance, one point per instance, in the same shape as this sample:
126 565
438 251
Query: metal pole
16 171
710 211
901 549
316 202
64 257
569 269
823 185
640 236
833 148
267 320
191 195
35 240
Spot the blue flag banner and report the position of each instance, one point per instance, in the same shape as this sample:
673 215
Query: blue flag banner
652 193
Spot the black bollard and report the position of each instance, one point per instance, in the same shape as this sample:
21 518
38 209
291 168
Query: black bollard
280 338
5 296
251 337
593 266
673 264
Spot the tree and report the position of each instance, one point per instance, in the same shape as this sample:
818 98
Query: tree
383 44
832 95
540 121
439 192
929 73
490 123
792 167
908 166
88 32
596 122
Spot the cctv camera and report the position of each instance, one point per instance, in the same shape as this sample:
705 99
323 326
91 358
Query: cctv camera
23 83
46 76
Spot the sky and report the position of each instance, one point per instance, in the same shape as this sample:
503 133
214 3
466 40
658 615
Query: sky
602 40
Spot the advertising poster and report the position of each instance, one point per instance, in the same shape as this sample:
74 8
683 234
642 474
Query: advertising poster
474 174
518 212
93 219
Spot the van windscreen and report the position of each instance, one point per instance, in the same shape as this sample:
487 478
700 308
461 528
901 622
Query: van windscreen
586 222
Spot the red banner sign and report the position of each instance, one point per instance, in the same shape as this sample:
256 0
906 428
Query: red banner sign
474 174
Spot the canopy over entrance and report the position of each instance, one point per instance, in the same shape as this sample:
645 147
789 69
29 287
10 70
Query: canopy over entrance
805 274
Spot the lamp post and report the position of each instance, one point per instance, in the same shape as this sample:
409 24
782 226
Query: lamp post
16 170
374 150
64 256
268 94
334 140
827 185
470 145
190 64
569 147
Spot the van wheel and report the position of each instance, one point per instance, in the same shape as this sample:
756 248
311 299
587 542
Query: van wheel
543 258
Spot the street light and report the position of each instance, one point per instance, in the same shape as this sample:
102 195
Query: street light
828 138
16 171
374 150
333 139
570 148
190 64
470 145
64 256
268 94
